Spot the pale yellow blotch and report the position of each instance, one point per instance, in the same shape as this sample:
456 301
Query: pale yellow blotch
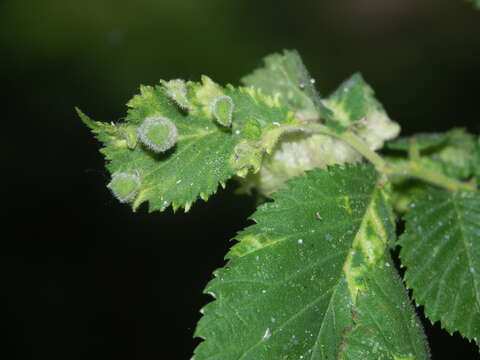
120 143
188 206
251 243
371 240
375 128
247 244
175 206
258 96
373 243
353 275
346 204
205 95
139 199
339 112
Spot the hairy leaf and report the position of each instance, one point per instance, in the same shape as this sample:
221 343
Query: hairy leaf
300 282
441 250
354 106
205 153
286 77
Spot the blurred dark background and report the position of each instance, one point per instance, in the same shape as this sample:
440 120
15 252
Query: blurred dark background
83 276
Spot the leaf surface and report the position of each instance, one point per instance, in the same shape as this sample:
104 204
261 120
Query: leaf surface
205 154
299 283
441 250
286 77
355 107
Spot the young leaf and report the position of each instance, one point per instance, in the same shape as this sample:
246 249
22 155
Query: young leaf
455 154
300 283
181 155
452 153
441 250
354 106
286 77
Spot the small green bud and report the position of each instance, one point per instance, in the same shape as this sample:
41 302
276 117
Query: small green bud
124 186
222 110
158 133
177 91
252 129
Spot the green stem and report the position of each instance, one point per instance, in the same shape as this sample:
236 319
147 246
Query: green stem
411 168
416 170
360 145
356 143
414 150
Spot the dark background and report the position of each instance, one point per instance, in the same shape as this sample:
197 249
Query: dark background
83 276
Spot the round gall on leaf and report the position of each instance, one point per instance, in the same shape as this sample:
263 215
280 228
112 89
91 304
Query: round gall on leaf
222 110
157 133
177 91
124 186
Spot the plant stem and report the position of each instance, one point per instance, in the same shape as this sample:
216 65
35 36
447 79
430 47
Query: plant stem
356 143
416 170
412 168
360 145
413 150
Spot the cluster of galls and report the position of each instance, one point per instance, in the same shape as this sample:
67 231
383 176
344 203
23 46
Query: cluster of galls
159 134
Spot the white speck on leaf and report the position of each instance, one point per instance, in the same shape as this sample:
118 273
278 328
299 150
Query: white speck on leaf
267 334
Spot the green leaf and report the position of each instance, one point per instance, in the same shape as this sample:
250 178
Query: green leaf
455 154
355 107
286 77
424 141
456 157
299 282
441 250
370 338
196 153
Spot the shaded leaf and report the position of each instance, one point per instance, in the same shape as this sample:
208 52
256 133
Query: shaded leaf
296 279
370 338
441 250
